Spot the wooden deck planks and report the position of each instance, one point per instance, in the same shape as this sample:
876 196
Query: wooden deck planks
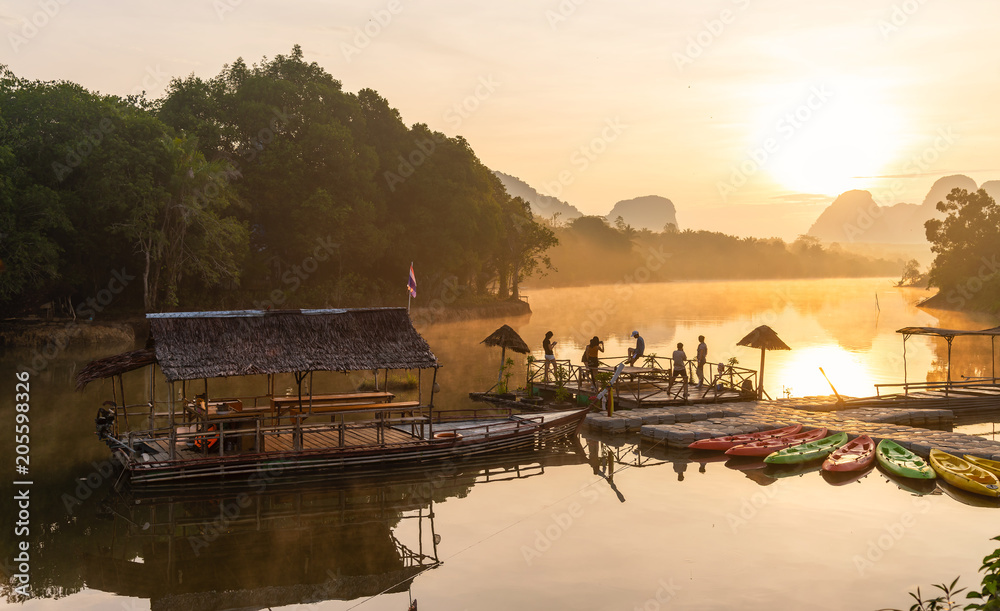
329 438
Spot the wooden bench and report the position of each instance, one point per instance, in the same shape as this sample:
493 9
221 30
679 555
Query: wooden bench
280 403
401 406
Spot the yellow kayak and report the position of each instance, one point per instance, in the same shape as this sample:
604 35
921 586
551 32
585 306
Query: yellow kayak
965 475
993 466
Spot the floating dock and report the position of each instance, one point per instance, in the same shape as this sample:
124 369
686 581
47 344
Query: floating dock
918 429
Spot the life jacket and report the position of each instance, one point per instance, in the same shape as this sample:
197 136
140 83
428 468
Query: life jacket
208 441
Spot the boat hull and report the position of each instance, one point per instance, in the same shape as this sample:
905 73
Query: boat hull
805 452
722 444
965 475
856 455
469 438
767 446
897 460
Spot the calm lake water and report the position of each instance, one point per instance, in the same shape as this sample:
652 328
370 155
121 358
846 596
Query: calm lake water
601 524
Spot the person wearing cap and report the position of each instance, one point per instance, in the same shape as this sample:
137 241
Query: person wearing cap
634 354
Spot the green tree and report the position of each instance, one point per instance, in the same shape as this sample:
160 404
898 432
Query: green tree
965 247
183 228
526 244
911 273
29 257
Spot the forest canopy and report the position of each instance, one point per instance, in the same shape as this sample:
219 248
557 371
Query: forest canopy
265 186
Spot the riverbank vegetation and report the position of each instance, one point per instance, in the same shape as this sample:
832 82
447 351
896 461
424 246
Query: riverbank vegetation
592 250
966 245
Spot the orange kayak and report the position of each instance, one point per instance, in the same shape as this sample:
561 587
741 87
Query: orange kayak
855 455
724 443
764 447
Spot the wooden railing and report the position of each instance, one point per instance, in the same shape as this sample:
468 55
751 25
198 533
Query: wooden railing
253 430
654 368
906 387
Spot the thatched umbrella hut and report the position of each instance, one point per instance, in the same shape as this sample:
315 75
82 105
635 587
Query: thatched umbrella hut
765 338
505 337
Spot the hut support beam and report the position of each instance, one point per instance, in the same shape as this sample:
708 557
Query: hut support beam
949 338
906 388
173 429
152 397
760 382
121 386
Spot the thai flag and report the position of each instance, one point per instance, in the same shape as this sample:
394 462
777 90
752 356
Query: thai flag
411 284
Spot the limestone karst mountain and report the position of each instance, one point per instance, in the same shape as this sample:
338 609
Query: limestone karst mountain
648 212
855 216
544 206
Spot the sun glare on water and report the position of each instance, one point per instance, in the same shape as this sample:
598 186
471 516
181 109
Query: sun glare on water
834 139
801 374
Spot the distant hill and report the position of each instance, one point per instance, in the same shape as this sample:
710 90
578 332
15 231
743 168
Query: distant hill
992 188
648 212
855 217
543 206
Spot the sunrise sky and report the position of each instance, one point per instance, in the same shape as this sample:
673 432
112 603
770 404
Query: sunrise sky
750 115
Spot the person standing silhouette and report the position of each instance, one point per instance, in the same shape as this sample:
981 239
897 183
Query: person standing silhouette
702 356
679 368
550 357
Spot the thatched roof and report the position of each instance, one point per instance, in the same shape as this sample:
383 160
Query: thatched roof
191 345
763 337
114 365
505 337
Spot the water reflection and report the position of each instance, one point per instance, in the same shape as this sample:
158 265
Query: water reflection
270 541
835 324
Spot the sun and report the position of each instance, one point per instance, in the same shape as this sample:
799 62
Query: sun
833 137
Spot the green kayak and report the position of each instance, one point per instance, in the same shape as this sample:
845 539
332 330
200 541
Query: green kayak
805 452
899 461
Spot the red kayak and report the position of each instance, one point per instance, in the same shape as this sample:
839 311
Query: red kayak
764 447
724 443
855 455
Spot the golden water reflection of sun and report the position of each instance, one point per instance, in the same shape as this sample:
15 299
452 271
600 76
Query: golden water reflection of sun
800 371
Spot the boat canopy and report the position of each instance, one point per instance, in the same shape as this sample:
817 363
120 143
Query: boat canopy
193 345
946 333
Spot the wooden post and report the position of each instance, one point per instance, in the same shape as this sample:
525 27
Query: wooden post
152 396
906 384
760 382
173 429
947 388
430 406
121 386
